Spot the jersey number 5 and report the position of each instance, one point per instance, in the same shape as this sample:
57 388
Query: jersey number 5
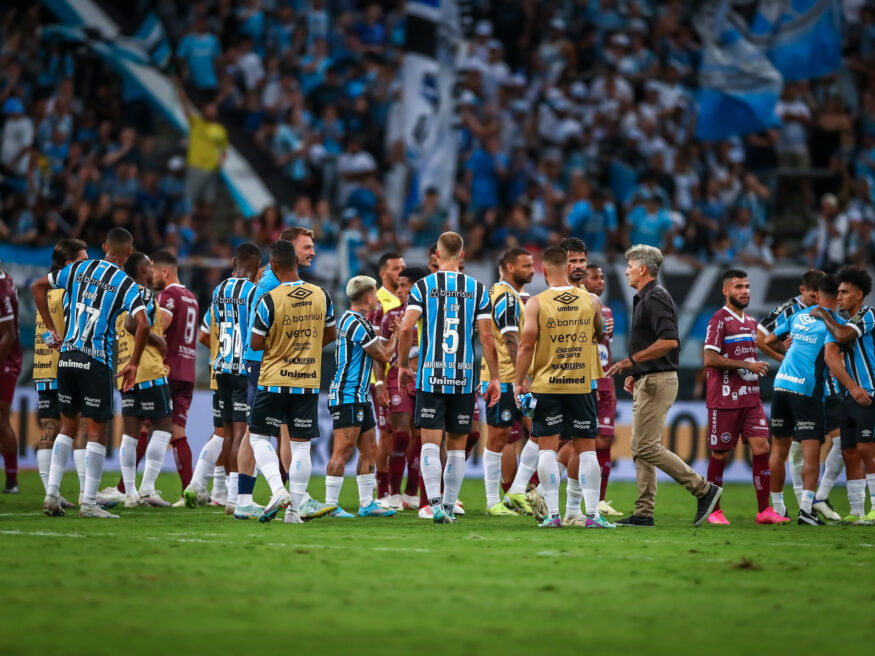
451 336
231 340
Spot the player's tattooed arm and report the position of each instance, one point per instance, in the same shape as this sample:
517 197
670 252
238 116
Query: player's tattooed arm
598 322
511 343
843 333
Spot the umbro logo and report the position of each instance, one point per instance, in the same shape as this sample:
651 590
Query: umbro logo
566 298
300 293
806 319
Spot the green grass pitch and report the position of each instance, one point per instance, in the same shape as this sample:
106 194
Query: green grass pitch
177 581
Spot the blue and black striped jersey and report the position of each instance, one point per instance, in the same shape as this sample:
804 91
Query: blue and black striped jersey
449 304
352 379
232 300
268 282
785 310
98 292
860 353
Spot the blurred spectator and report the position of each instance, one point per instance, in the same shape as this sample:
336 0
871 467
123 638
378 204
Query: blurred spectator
198 52
650 224
830 234
795 115
18 138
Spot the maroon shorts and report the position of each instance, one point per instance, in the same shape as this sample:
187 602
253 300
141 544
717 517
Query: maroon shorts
726 425
381 413
181 392
516 433
399 401
606 410
8 378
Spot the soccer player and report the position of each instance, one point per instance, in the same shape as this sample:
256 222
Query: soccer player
733 394
516 270
149 399
562 326
230 314
797 408
98 290
449 303
10 368
45 365
850 352
775 350
292 324
606 398
390 266
179 316
356 349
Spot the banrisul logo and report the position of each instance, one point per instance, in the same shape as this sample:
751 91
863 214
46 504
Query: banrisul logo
300 293
566 298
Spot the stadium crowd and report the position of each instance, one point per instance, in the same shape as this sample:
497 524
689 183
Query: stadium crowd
574 120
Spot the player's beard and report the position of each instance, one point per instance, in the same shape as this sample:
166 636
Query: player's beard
577 276
736 303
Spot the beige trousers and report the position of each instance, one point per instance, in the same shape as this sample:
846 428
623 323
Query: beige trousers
652 396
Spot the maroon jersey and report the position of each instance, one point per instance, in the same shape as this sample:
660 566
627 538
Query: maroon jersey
376 319
733 337
9 312
385 331
181 335
606 384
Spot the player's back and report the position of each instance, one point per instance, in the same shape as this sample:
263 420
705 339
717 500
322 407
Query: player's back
801 371
860 354
266 283
507 316
45 359
450 304
152 367
230 308
181 334
352 379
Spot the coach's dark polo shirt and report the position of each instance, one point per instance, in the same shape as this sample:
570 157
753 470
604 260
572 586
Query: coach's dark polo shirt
654 317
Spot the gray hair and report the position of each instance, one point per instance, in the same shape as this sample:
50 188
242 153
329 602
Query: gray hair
358 286
649 256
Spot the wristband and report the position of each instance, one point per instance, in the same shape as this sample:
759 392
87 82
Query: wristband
377 383
631 359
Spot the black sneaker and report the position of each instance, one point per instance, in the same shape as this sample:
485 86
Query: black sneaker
809 519
635 520
10 489
706 503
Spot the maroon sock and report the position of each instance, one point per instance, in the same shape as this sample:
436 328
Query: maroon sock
412 468
398 460
762 480
604 458
182 454
10 465
715 474
534 481
423 497
142 443
473 438
382 484
506 486
283 473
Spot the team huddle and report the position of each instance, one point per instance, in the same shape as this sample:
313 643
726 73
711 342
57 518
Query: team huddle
404 394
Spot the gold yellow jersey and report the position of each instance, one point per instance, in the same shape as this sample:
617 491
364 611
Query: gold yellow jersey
45 359
566 359
207 326
507 316
152 368
292 318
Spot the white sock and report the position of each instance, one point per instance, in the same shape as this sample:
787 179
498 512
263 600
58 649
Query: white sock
233 479
794 463
44 464
206 462
128 460
778 503
60 455
332 489
95 456
366 483
857 496
491 476
831 470
155 453
220 482
527 466
79 461
548 473
268 463
454 475
590 476
563 470
870 481
807 500
299 474
430 469
573 495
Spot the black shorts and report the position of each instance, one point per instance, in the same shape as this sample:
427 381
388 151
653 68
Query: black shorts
858 424
253 371
85 386
834 412
504 413
300 412
567 415
232 398
217 414
348 415
798 416
452 413
149 403
47 405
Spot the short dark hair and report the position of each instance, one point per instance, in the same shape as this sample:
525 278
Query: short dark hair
856 276
165 258
556 256
132 266
432 250
734 273
119 237
573 245
385 257
828 285
66 250
248 251
593 265
413 273
510 255
283 255
811 277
